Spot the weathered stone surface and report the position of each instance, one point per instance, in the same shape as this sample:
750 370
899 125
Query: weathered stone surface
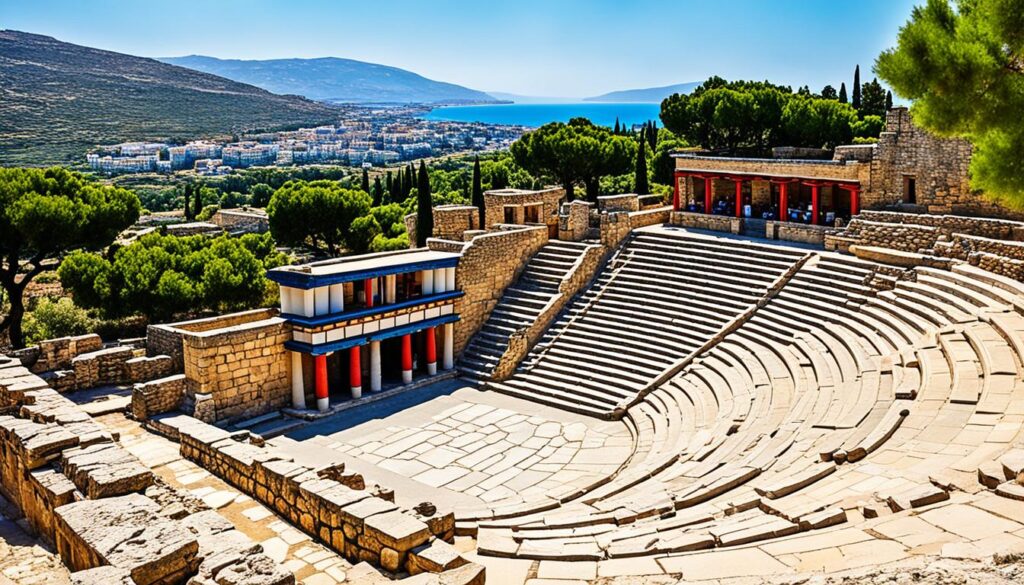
397 530
433 557
254 570
106 575
105 470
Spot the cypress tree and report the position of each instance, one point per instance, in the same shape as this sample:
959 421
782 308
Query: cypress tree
617 129
652 135
478 191
856 88
842 93
378 192
424 208
188 201
390 183
410 178
197 193
640 176
365 186
888 101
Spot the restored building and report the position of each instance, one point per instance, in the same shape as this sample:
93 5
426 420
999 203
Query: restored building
524 207
376 317
908 169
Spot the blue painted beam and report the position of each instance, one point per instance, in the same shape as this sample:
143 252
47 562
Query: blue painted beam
307 281
341 344
329 319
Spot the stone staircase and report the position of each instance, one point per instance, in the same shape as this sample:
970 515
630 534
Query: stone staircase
520 306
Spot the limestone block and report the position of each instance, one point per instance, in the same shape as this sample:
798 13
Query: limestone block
467 574
105 470
106 575
433 557
256 569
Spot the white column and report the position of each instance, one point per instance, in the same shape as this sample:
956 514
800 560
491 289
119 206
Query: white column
286 299
449 278
308 303
449 346
298 389
296 301
439 281
427 282
322 300
375 383
390 288
337 297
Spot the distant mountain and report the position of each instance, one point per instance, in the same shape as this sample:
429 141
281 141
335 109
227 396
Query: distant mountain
58 99
648 95
335 80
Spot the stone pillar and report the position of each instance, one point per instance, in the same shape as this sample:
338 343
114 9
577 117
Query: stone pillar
322 300
449 346
855 200
308 303
783 201
355 372
390 288
406 358
298 388
709 191
337 296
375 381
286 299
368 292
675 190
814 203
323 402
439 281
739 197
431 350
427 282
449 278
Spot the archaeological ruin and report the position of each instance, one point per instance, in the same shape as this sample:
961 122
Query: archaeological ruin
795 368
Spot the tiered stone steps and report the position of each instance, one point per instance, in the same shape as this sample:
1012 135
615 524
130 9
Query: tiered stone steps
520 305
662 298
767 433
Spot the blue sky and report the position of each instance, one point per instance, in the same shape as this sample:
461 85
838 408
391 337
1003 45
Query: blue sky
534 47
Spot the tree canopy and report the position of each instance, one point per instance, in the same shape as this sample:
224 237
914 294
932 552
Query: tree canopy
573 153
317 213
753 116
963 67
45 213
161 276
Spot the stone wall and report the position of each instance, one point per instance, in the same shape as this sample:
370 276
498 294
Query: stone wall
795 232
107 515
157 396
623 202
703 221
242 219
56 354
451 221
333 505
489 263
897 236
495 202
1001 229
574 222
165 339
243 367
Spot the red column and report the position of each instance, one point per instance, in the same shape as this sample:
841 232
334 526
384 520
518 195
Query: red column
708 192
855 200
783 201
814 203
430 350
322 392
368 288
406 358
355 372
675 191
739 197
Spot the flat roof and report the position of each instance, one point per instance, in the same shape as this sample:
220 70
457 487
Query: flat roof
327 272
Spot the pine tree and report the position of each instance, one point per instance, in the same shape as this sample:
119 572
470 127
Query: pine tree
378 192
856 88
478 191
640 174
365 185
424 208
888 101
842 94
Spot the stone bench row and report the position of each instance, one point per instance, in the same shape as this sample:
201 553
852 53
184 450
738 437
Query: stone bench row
363 525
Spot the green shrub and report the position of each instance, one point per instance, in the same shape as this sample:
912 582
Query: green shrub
207 212
59 318
382 244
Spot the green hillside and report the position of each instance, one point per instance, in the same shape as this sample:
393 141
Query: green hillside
58 99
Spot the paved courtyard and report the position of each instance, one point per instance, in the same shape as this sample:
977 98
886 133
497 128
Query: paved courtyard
467 448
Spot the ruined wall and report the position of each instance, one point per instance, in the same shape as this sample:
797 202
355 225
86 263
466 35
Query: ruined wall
796 232
1001 229
623 202
165 338
244 368
703 221
496 200
489 263
451 221
157 396
242 220
56 354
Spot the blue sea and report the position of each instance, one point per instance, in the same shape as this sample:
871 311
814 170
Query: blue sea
540 114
